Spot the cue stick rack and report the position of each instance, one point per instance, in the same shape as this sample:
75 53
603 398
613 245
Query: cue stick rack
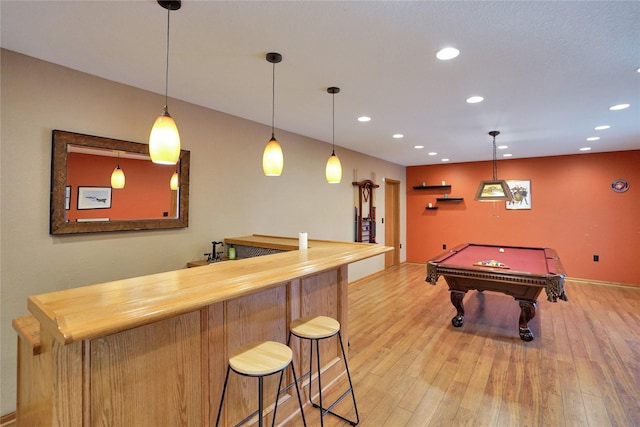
365 225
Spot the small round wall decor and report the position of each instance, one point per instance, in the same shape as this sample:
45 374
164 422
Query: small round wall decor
619 185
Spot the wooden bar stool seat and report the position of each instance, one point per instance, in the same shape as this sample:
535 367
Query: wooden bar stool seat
259 360
316 328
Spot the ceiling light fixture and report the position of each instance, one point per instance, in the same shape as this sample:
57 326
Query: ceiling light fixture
619 107
494 190
333 171
117 176
474 99
272 158
164 140
593 138
602 127
418 147
398 136
364 119
447 53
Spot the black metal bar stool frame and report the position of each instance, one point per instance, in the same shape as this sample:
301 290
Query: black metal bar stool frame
319 405
260 409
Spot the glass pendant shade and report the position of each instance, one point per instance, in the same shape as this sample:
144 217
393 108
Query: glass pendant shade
164 140
334 170
173 183
272 158
117 178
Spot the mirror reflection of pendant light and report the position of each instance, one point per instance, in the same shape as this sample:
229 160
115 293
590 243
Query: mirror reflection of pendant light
494 190
173 183
164 140
117 176
272 158
333 170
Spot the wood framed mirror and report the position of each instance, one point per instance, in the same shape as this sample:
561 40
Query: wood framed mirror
83 201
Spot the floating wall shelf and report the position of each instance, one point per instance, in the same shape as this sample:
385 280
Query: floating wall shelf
449 199
432 187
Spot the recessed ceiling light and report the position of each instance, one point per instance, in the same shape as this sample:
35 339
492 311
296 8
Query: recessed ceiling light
474 99
602 127
593 138
418 146
445 160
585 148
507 155
432 153
638 69
447 53
364 119
502 147
398 135
619 107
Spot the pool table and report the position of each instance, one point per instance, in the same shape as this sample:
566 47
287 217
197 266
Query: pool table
520 272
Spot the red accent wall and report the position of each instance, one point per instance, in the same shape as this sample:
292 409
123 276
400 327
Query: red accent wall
574 210
146 194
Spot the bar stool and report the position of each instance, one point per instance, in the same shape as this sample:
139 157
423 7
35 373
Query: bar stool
260 360
316 328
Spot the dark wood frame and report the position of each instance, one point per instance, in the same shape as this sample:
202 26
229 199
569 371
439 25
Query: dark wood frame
59 225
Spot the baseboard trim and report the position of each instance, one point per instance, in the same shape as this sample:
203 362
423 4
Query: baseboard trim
603 283
8 420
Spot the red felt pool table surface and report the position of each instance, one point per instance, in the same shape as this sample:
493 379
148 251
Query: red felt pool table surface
531 260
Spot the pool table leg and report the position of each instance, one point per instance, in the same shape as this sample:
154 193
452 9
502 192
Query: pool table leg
456 300
527 312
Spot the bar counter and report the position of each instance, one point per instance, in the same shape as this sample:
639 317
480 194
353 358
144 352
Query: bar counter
160 342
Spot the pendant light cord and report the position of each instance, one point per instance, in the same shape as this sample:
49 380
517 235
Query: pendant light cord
495 161
166 76
333 129
273 100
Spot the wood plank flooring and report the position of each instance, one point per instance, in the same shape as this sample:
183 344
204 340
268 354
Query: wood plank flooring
411 367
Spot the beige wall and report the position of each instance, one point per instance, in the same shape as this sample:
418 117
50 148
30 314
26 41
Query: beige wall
229 194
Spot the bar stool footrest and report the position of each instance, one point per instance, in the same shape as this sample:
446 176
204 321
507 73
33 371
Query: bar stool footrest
329 409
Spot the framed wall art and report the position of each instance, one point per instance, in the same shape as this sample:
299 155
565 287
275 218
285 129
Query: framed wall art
520 193
67 197
94 197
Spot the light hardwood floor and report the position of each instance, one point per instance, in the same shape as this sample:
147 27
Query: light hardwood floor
411 367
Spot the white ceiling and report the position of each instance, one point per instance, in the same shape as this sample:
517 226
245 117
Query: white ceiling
549 71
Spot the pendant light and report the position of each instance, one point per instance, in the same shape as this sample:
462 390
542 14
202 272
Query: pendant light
117 176
173 182
164 140
494 190
333 170
272 158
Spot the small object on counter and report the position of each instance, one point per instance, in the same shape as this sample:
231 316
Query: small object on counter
232 252
501 250
302 241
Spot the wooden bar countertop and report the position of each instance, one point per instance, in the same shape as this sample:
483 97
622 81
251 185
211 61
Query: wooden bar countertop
97 310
